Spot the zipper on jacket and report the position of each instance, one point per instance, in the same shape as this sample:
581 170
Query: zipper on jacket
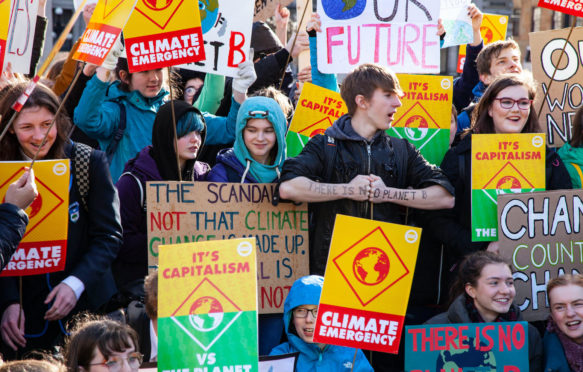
367 203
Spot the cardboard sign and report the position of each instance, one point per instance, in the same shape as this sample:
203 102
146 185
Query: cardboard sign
226 30
21 34
105 25
207 306
5 20
572 7
367 284
541 234
264 9
493 29
425 117
564 97
503 163
457 22
400 35
467 347
317 109
193 212
279 363
162 33
43 248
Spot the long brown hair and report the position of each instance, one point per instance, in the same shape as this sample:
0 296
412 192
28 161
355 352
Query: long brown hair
41 96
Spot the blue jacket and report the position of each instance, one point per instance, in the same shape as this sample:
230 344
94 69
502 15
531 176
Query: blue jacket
13 223
555 359
464 119
98 115
306 291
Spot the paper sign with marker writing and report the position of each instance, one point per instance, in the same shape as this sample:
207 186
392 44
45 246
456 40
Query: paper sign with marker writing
43 249
367 284
207 306
493 29
399 34
105 25
21 34
572 7
5 20
456 22
317 109
226 30
425 115
162 33
467 347
503 163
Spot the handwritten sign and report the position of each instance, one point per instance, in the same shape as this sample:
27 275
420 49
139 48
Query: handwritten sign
563 97
105 25
572 7
226 30
400 35
540 233
317 109
5 20
456 22
279 363
425 117
163 33
367 284
21 34
503 163
207 306
43 248
467 347
264 9
493 29
193 212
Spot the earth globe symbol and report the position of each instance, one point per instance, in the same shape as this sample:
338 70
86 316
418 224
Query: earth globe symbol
206 314
371 266
416 127
471 359
508 182
157 4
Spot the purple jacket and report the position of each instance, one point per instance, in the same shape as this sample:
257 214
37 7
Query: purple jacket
229 169
132 261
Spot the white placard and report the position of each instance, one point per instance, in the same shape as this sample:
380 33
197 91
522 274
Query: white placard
21 34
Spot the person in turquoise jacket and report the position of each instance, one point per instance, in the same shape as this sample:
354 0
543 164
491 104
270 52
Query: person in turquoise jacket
572 152
300 310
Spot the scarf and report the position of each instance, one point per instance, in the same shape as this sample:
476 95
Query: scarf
573 350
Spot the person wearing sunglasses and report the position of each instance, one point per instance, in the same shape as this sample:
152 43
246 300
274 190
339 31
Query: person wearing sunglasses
300 312
102 346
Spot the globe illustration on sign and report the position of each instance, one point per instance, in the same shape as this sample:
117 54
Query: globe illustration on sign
157 4
209 12
470 359
371 266
416 127
206 313
343 9
508 182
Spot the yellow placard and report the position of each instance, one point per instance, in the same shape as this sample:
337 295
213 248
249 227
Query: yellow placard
317 109
493 28
163 33
46 233
105 25
426 103
222 269
508 161
5 20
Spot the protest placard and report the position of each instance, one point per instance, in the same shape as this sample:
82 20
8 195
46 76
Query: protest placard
317 109
400 35
279 363
264 9
456 22
43 248
226 30
493 29
467 347
572 7
5 20
192 212
541 234
162 33
425 117
503 163
367 284
207 306
564 94
105 25
21 34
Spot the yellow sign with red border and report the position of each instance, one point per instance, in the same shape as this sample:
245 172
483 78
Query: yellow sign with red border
317 109
43 248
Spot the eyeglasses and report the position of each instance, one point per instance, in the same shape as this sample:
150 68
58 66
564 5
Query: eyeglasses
302 312
508 103
190 90
115 363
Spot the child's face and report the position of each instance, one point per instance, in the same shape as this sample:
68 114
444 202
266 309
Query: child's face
259 137
305 325
148 83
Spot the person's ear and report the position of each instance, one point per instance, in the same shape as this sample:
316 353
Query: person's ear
123 76
486 79
361 102
470 290
490 110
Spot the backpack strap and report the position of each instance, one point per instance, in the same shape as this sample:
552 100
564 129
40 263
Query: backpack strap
139 182
118 135
330 149
81 163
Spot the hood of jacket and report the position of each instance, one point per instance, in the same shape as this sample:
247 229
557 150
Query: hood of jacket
304 291
570 154
228 159
342 130
114 92
261 172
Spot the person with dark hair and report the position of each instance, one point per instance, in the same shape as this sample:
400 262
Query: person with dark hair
97 345
484 292
94 227
572 152
33 365
190 84
563 341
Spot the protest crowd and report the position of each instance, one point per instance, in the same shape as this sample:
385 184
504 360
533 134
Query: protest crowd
124 129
